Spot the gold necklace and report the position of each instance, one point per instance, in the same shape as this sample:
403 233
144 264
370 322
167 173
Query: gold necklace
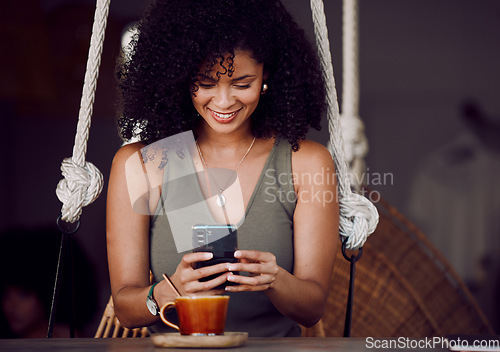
221 200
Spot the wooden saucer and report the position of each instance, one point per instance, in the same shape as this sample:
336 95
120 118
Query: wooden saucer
174 339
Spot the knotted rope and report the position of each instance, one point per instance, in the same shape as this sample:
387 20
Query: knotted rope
358 216
82 181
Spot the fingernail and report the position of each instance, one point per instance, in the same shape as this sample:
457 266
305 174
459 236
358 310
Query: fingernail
237 254
209 255
231 267
230 278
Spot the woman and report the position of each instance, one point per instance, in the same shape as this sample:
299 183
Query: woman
242 76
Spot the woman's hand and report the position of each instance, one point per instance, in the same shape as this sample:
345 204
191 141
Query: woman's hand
186 278
261 266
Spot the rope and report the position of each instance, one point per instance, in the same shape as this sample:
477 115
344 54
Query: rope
355 142
82 181
358 216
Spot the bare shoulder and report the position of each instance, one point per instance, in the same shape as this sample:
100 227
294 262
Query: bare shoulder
312 156
125 152
127 160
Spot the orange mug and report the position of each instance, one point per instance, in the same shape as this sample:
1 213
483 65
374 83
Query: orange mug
198 315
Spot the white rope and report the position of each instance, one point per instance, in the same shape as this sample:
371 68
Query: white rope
350 80
355 142
358 216
82 181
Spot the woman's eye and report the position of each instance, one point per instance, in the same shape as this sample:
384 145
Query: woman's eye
206 85
242 86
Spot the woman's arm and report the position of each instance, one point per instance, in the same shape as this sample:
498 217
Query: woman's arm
127 235
301 295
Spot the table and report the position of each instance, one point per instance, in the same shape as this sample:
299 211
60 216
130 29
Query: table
297 344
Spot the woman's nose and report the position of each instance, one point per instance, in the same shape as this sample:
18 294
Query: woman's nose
223 98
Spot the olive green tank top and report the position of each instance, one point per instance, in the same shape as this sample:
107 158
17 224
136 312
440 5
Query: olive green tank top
267 226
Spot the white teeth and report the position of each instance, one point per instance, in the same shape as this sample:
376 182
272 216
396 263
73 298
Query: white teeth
224 116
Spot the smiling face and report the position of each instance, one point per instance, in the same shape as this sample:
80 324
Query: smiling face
227 95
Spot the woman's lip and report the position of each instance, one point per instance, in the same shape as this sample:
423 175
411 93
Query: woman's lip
223 117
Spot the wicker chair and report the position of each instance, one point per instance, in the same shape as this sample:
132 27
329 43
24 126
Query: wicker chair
403 287
109 322
111 327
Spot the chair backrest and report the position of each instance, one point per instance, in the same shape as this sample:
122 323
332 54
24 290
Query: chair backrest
111 327
403 287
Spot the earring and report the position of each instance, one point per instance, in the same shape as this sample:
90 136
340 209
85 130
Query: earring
264 88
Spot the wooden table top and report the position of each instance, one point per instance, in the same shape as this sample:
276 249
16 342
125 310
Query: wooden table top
314 344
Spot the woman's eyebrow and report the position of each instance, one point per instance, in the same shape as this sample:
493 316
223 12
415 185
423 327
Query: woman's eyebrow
243 77
203 77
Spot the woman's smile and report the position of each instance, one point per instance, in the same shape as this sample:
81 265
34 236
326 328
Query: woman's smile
225 99
224 117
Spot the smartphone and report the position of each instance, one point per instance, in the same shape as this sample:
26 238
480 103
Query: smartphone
221 241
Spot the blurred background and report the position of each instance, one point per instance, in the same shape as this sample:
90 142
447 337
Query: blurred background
430 83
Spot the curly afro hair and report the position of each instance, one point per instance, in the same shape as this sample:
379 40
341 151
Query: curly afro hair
175 36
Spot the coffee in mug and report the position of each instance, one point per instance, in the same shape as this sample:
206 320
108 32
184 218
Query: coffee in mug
198 315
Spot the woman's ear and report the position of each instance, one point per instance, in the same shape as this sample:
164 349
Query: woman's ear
264 88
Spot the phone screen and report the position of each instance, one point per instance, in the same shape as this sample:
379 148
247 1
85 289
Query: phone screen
221 240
